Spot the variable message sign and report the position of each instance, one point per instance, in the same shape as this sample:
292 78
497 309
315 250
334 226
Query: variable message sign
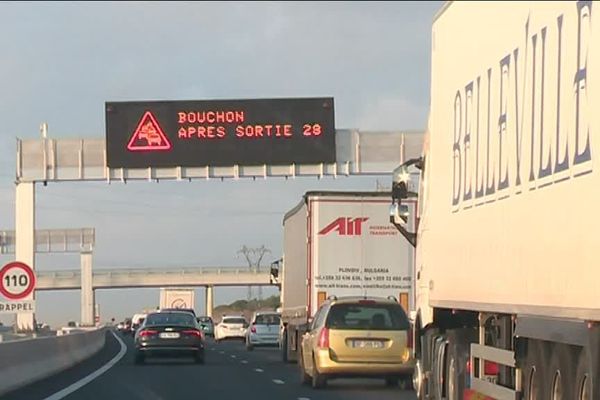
220 132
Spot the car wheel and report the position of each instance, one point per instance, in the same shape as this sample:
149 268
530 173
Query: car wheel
199 357
318 380
392 381
139 358
305 379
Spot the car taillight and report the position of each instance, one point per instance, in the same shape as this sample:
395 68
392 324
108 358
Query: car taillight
253 329
192 332
147 332
490 368
324 338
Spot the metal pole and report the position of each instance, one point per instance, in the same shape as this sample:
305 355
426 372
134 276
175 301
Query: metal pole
87 290
25 240
209 303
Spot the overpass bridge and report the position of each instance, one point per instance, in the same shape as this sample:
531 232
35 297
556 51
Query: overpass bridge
115 278
153 277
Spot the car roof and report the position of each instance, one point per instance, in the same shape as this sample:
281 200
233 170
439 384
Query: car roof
357 299
267 313
168 312
187 310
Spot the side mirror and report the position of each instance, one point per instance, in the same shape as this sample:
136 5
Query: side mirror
412 316
399 213
400 179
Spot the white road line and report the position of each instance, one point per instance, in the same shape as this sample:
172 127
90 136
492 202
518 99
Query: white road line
278 381
244 362
221 352
303 398
258 370
233 356
84 381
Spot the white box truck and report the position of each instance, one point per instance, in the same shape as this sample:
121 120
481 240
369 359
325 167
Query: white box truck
177 298
508 250
339 244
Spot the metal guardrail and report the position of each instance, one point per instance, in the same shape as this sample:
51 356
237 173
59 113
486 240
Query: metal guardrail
357 153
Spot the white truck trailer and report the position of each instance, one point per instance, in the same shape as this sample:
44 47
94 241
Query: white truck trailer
177 298
339 244
508 250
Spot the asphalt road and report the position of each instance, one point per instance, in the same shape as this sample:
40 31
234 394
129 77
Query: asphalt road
230 372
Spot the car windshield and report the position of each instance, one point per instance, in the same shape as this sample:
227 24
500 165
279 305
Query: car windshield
234 321
205 320
181 319
384 317
267 319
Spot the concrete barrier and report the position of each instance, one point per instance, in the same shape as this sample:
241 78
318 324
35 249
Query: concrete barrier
25 361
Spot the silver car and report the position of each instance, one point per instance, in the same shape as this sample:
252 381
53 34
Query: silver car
264 330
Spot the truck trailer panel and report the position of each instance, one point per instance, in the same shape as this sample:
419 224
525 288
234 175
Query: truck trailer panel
512 210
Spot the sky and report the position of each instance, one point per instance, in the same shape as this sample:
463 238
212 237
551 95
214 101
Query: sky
60 62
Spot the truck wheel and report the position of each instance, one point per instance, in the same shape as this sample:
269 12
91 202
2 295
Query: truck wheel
318 380
283 347
422 375
456 361
561 372
305 379
290 356
392 381
438 368
583 377
533 371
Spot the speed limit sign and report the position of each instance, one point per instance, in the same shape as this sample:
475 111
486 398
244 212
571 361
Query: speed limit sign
17 280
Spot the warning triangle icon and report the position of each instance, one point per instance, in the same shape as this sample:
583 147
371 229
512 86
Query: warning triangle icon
148 136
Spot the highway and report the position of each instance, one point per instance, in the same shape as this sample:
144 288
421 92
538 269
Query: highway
230 372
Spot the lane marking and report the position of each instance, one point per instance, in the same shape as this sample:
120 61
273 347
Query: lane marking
221 352
84 381
278 381
258 370
233 356
244 362
303 398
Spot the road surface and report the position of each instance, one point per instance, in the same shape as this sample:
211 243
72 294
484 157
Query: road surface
230 372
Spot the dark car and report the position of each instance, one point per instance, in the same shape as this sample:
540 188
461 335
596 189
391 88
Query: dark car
190 310
171 333
126 326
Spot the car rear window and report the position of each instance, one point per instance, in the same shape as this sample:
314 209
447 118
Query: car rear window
267 320
181 319
205 320
234 320
382 317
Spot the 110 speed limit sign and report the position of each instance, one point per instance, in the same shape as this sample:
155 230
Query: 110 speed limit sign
17 280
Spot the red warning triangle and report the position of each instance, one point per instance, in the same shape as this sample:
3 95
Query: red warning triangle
148 136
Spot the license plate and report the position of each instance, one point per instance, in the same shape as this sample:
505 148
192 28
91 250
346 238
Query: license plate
169 335
367 344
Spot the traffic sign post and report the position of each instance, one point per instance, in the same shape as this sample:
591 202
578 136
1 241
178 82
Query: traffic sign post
17 282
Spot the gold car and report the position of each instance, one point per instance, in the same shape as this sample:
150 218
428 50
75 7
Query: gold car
357 337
